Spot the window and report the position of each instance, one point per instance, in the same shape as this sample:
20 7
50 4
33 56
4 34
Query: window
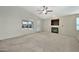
77 23
27 24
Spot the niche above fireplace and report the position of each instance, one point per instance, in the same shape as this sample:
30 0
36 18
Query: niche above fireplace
55 22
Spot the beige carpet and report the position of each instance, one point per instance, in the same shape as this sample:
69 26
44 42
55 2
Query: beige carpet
40 42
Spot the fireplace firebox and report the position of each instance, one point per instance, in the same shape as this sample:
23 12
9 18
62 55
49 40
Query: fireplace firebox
54 29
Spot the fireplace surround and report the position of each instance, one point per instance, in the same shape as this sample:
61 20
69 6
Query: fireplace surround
55 25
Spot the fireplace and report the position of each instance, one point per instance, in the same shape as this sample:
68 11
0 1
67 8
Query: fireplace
54 29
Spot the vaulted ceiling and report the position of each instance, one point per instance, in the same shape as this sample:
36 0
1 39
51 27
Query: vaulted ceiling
57 11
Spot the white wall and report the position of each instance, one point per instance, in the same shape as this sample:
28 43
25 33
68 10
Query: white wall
68 25
47 25
11 19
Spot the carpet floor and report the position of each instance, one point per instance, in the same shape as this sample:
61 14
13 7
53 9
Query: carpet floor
40 42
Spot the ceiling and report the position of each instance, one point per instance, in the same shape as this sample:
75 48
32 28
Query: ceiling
57 11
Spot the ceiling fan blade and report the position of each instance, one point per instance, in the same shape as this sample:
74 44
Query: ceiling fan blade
49 10
45 7
46 13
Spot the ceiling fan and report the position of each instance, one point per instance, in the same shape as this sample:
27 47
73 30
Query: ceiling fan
44 10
